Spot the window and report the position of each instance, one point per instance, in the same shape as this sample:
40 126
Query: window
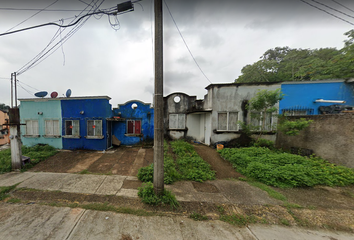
133 126
177 121
257 121
227 121
94 128
32 128
72 128
52 128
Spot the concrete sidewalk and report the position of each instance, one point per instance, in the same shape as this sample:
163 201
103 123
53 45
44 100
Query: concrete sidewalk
224 191
34 221
44 222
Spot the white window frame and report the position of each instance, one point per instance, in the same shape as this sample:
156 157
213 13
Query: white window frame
180 121
76 124
97 134
228 121
32 128
51 128
271 127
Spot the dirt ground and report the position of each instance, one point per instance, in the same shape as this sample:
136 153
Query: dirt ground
315 204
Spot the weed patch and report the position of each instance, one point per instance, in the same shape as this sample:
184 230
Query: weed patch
238 219
198 217
283 170
5 190
36 153
188 165
148 196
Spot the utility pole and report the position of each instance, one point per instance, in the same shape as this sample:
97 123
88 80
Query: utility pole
158 99
15 134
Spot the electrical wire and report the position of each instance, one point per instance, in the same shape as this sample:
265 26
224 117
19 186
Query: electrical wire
38 9
327 12
18 81
342 5
332 8
32 15
35 61
186 43
28 91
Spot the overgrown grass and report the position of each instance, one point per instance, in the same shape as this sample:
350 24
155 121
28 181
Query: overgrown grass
198 217
188 165
5 190
148 196
271 192
36 153
286 170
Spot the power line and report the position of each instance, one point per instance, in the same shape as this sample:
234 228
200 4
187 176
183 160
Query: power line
33 15
342 5
332 8
40 57
327 12
186 43
38 9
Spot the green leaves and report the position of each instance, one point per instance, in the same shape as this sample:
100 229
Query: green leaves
148 196
287 64
188 165
287 170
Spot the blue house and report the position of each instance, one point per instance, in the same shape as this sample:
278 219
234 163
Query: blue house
84 121
312 97
133 122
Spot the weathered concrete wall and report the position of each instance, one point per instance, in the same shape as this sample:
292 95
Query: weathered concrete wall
230 98
329 136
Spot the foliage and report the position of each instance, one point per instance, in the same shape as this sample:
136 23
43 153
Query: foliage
238 219
198 216
293 127
287 64
36 153
188 165
148 196
5 190
264 104
285 169
264 143
4 107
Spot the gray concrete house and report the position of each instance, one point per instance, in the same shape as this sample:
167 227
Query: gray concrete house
215 118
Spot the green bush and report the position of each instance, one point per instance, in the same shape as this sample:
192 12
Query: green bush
36 153
188 165
264 143
285 169
148 196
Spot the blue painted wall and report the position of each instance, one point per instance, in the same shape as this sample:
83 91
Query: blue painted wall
304 94
125 111
95 108
51 111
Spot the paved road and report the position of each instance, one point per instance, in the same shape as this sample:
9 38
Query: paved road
33 221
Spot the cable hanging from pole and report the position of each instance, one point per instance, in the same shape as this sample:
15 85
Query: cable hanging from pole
120 9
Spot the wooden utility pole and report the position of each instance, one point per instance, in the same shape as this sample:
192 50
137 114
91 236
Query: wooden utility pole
158 99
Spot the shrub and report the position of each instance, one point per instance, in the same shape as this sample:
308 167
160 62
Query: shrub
148 196
287 170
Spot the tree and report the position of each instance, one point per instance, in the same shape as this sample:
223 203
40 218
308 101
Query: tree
4 107
287 64
263 104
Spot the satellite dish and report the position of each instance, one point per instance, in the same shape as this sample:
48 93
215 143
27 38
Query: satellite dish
41 94
54 95
68 93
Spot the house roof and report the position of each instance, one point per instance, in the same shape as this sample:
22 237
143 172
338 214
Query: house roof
63 98
320 81
240 84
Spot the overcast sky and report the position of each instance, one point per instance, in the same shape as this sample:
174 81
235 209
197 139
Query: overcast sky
223 36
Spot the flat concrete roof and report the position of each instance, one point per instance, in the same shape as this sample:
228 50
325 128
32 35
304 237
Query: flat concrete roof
63 98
